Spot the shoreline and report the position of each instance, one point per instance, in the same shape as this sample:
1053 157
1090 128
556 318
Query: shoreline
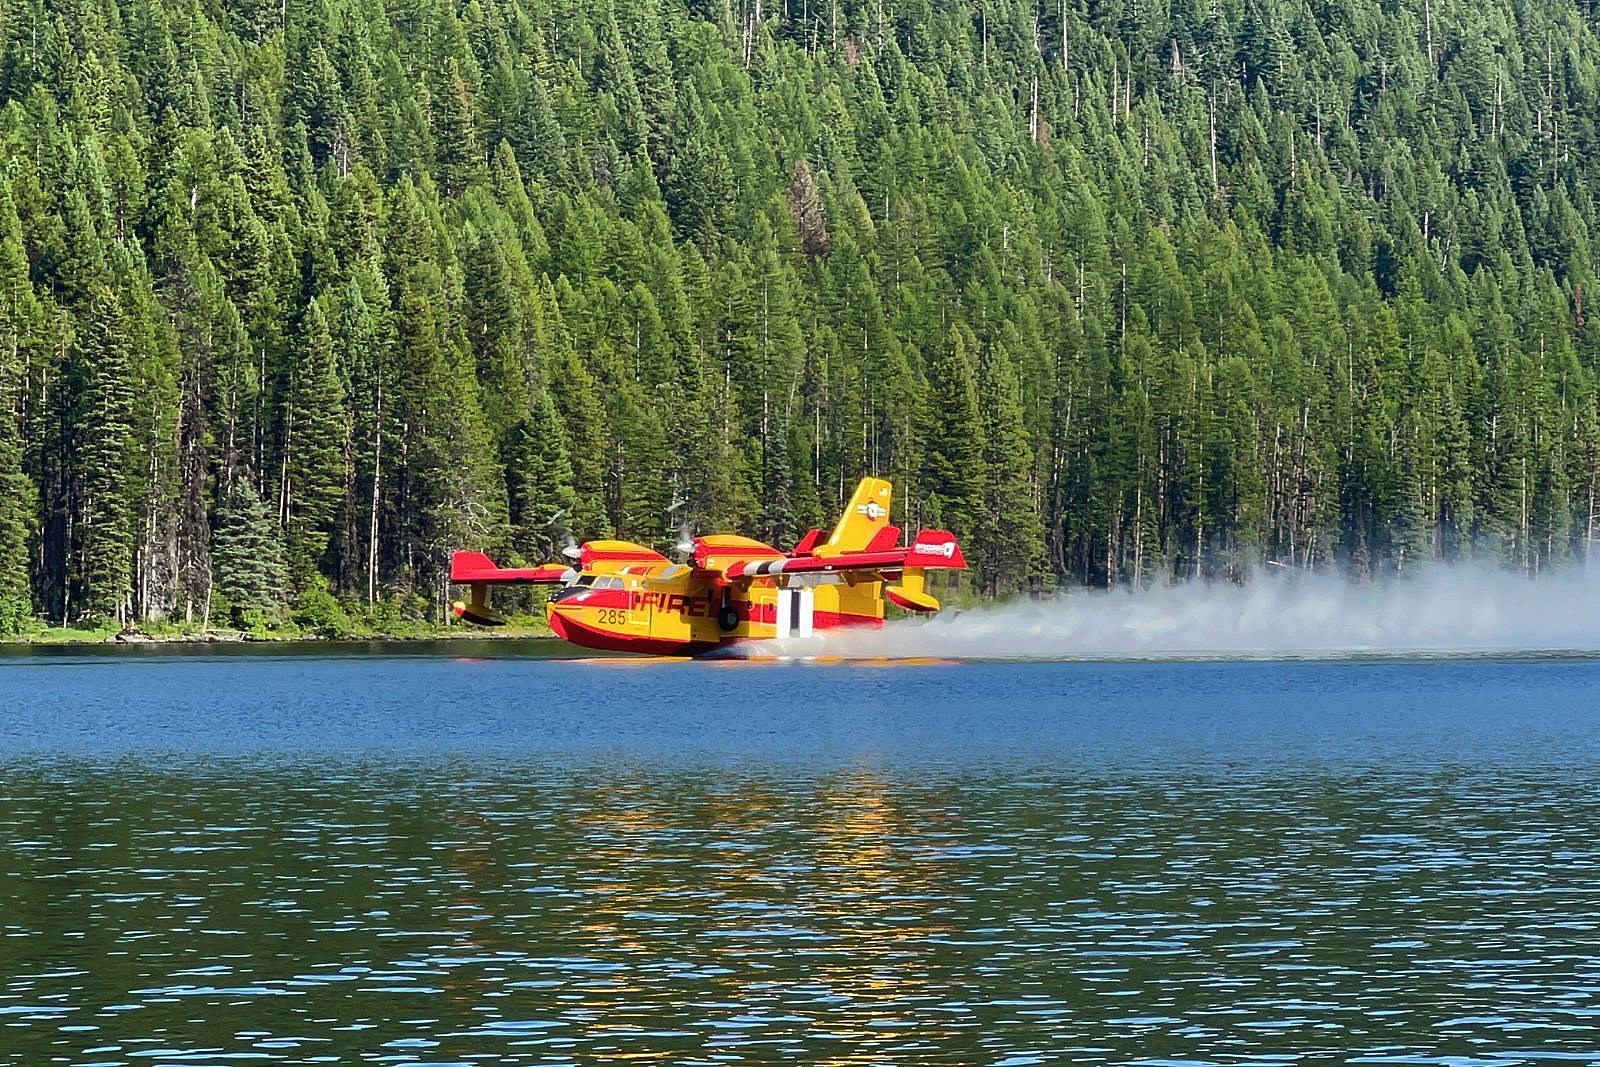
61 638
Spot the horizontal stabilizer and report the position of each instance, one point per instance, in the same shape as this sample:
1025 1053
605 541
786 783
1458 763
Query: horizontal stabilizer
936 548
885 539
931 549
807 543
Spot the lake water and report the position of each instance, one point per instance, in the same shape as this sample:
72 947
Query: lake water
485 855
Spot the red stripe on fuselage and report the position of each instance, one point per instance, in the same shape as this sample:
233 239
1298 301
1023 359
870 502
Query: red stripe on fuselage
570 629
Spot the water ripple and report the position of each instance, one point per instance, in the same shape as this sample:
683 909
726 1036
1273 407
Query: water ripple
993 911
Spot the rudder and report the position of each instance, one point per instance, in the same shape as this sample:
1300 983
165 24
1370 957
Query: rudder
864 517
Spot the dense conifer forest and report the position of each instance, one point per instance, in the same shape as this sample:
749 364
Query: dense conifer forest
298 296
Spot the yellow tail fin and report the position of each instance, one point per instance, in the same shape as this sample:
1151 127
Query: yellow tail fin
864 517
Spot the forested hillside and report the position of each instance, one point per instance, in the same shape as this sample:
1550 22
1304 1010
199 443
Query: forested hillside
296 297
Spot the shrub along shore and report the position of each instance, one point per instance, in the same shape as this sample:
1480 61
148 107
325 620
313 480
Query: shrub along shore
177 634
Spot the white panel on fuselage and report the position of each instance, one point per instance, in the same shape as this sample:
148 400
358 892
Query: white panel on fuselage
794 611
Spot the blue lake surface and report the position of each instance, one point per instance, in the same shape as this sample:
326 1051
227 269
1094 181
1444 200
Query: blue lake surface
483 853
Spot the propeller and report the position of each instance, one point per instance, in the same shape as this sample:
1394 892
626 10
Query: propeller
685 545
572 551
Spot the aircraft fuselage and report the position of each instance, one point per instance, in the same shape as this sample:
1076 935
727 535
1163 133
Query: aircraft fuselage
663 610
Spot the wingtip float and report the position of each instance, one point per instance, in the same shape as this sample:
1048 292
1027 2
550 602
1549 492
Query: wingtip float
622 597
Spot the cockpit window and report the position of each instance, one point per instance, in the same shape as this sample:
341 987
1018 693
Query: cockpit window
596 581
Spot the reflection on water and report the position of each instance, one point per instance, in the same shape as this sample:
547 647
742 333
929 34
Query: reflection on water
524 917
545 908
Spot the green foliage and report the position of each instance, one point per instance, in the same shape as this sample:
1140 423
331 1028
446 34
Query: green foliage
18 318
1009 544
314 445
317 611
98 392
1115 292
953 466
15 499
248 557
538 474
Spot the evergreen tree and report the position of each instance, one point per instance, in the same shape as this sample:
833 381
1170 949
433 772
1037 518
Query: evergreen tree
810 216
577 399
540 499
953 467
637 497
315 439
100 537
20 321
460 156
1008 539
16 493
247 551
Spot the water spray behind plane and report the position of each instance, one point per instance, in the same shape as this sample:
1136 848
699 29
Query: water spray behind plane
1435 610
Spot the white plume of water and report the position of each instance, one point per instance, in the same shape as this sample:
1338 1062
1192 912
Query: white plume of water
1432 611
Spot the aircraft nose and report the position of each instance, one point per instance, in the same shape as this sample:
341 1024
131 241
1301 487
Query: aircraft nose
556 613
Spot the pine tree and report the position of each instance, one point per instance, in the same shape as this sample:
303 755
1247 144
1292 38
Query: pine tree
1409 536
637 496
247 551
810 217
363 346
577 398
1232 451
20 321
315 441
540 499
538 139
1009 539
100 518
455 497
460 156
953 466
16 493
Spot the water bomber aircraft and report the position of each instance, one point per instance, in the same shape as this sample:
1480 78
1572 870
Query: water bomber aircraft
622 597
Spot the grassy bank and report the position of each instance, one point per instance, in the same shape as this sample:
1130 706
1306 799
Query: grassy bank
176 633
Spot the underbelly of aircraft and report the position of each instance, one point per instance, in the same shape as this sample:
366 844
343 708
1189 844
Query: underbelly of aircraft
595 624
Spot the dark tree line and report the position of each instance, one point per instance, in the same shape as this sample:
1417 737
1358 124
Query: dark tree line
296 298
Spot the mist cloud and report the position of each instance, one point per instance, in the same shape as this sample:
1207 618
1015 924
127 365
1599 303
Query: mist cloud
1434 610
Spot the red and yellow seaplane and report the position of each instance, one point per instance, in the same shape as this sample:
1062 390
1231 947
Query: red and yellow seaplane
623 597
